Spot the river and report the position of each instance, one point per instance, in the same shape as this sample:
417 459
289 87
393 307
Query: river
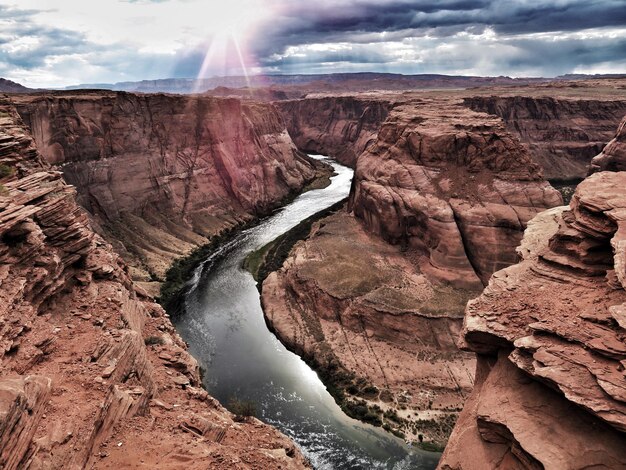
224 327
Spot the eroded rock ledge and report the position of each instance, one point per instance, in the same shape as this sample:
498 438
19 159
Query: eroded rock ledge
550 336
92 373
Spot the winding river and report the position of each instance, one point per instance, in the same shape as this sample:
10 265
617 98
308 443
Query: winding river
226 332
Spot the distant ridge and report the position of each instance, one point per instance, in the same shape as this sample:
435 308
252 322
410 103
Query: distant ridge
8 86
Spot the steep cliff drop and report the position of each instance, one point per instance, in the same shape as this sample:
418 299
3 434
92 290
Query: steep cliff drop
92 373
549 336
162 174
613 156
375 299
562 133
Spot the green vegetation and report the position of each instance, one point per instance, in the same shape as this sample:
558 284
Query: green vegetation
242 409
3 190
153 341
6 171
271 257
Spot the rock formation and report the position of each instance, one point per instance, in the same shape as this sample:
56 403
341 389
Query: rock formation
452 187
549 334
613 156
92 373
373 327
340 126
562 134
162 174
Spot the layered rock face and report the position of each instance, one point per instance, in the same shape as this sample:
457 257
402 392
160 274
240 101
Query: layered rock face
92 373
161 174
374 327
613 156
452 187
550 337
339 126
561 134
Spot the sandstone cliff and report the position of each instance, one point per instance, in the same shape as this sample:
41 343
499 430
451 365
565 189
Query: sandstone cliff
613 156
161 174
452 187
562 134
549 333
92 373
356 308
339 126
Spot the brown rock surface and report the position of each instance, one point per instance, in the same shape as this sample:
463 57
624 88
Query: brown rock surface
452 186
613 156
562 134
551 391
161 174
339 126
371 317
79 386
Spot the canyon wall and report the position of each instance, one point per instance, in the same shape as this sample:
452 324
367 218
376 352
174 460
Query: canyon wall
338 126
549 334
613 156
452 186
92 372
161 174
561 134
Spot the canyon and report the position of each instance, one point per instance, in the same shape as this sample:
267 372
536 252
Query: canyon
161 175
93 373
450 190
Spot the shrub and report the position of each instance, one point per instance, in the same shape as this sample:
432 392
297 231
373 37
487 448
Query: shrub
6 171
153 340
242 409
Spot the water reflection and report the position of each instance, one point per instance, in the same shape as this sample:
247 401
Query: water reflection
226 332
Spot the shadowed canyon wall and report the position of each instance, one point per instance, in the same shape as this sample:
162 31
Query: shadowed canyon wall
562 135
161 174
92 372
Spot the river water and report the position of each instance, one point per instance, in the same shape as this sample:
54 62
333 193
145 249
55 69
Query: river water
242 359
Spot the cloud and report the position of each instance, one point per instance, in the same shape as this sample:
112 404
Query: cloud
72 41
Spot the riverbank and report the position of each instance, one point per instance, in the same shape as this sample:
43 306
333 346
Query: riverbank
176 283
379 336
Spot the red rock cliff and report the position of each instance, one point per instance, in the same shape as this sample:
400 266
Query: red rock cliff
550 337
161 174
452 186
92 373
561 134
613 156
338 126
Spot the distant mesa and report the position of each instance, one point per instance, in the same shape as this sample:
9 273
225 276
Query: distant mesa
8 86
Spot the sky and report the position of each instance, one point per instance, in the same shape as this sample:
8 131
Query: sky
55 43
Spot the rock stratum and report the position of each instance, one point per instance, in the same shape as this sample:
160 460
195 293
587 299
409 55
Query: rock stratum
162 174
549 334
92 372
562 134
613 156
374 299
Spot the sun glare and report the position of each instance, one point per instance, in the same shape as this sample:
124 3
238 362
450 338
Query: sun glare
229 28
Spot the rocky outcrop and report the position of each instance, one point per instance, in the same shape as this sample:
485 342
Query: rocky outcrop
338 126
92 372
613 156
356 309
452 187
562 134
549 333
162 174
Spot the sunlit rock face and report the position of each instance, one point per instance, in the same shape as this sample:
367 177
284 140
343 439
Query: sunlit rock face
160 174
452 186
549 334
91 369
562 134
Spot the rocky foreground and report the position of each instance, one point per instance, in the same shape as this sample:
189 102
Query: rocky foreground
92 373
550 389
